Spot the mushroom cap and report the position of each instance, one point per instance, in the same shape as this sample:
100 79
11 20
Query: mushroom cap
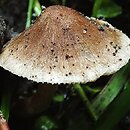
63 46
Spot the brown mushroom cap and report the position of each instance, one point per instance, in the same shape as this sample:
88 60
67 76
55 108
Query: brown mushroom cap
63 46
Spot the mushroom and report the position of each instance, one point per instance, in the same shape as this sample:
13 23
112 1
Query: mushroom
63 46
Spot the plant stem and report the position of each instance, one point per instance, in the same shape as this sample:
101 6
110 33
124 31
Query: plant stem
85 100
29 14
37 8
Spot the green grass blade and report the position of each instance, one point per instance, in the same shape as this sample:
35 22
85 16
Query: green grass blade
97 4
111 90
106 9
116 111
29 14
37 8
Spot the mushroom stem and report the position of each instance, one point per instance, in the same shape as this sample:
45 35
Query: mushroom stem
85 100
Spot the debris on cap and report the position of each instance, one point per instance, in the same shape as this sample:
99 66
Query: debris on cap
63 46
